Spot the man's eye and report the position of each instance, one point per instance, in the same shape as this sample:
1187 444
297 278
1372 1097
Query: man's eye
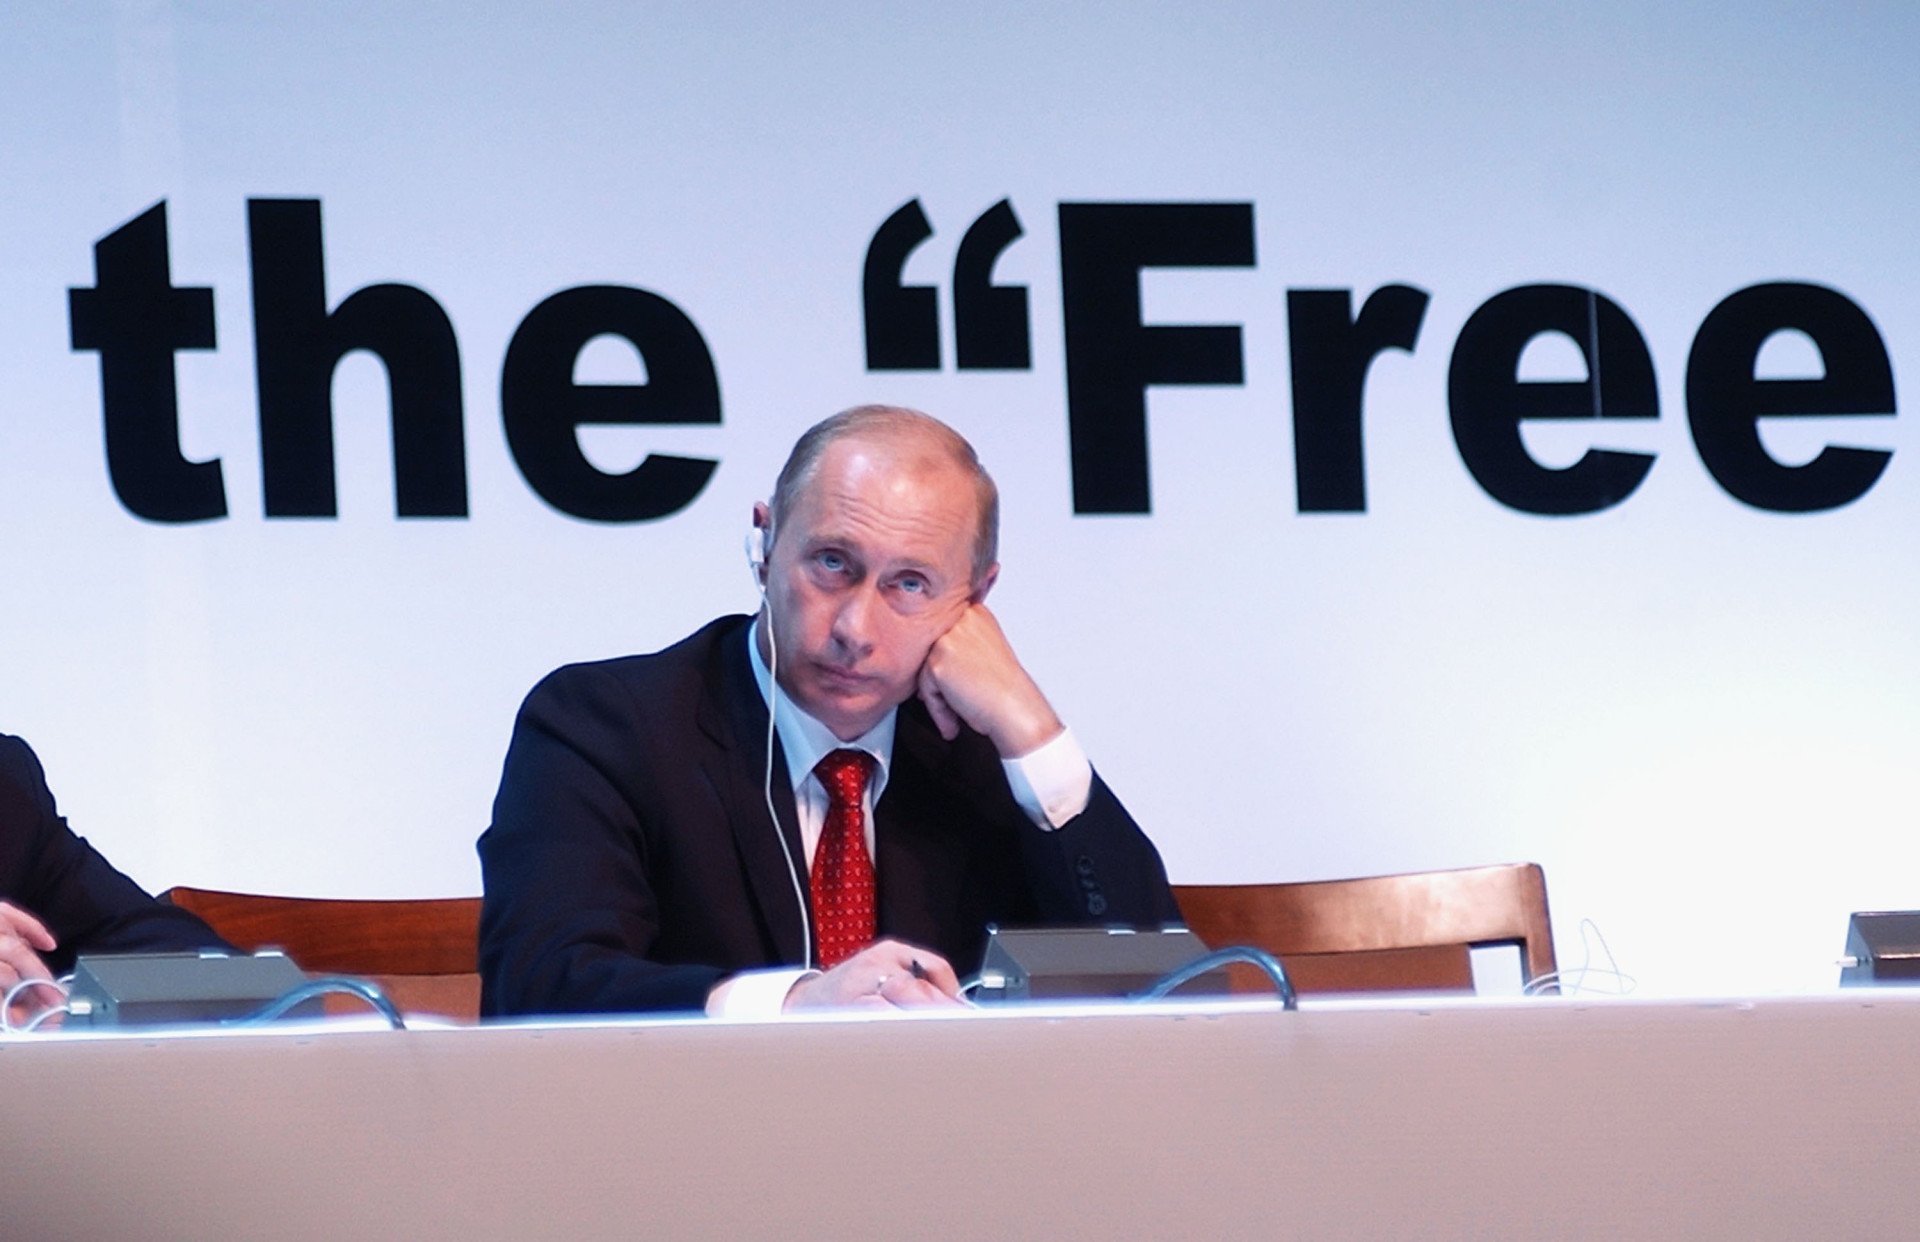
832 562
913 586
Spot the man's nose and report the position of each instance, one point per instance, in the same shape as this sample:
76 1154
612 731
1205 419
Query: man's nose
853 621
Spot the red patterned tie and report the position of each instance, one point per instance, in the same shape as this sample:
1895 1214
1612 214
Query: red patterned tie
842 877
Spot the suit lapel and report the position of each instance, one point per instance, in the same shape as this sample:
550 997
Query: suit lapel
734 716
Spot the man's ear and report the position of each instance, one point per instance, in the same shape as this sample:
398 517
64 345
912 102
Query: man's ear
985 584
757 541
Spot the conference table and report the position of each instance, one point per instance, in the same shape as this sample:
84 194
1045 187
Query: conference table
1462 1118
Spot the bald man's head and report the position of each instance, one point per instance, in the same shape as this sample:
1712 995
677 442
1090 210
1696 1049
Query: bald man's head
907 434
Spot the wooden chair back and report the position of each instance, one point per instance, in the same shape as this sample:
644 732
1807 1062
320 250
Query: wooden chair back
1391 932
424 953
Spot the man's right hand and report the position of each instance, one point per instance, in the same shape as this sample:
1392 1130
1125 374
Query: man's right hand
23 939
886 973
971 676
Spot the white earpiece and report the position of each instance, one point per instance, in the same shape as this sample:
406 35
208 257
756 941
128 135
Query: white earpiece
756 545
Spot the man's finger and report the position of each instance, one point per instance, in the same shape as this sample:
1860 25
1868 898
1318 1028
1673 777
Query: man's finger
925 978
944 717
910 993
34 996
14 970
934 969
28 928
18 959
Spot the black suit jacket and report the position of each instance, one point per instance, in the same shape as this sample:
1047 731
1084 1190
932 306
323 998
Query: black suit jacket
58 878
631 863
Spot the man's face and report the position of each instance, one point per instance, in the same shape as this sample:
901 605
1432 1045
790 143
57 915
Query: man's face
872 564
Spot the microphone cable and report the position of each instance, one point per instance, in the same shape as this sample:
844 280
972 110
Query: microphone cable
1269 965
760 565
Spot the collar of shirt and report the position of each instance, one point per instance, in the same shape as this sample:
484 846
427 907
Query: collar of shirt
806 742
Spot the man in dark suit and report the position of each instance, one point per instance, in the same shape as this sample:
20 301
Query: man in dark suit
660 843
60 898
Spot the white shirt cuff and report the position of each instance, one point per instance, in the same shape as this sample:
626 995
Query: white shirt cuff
754 995
1051 784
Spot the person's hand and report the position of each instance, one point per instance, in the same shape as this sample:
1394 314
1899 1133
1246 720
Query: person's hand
23 939
885 974
971 675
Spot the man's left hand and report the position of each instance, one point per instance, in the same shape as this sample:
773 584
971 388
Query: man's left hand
971 676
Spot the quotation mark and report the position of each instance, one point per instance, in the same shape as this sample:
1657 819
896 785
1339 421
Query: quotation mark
991 328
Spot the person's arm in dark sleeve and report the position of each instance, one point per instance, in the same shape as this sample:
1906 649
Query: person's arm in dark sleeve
569 916
1096 866
87 905
1099 868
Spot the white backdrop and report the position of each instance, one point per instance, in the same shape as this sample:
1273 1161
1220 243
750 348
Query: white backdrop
1698 715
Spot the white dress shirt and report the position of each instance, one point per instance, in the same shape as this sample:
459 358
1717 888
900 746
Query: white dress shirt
1052 785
